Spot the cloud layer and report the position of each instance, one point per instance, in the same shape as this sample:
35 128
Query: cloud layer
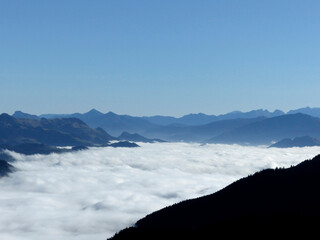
94 193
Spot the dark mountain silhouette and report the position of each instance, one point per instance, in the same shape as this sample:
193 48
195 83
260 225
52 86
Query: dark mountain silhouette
5 168
56 132
314 112
272 202
137 138
271 129
305 141
197 133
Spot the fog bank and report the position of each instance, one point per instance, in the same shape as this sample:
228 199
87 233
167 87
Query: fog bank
94 193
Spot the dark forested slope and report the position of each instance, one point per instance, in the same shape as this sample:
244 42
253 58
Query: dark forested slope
270 202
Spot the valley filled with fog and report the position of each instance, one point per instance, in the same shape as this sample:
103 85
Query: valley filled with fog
94 193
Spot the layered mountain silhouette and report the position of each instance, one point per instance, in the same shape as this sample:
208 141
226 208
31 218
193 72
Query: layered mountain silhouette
202 119
198 133
271 129
272 202
55 132
305 141
254 127
46 136
113 123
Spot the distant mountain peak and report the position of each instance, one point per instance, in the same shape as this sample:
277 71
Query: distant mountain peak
94 111
278 111
236 111
20 114
110 114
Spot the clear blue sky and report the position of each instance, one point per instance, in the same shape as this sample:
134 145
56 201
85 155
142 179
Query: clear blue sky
167 57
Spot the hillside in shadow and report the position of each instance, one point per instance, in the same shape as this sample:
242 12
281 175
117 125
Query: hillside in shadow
272 202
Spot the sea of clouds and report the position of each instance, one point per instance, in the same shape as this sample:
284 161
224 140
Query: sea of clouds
92 194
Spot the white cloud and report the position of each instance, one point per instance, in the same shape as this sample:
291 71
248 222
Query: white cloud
92 194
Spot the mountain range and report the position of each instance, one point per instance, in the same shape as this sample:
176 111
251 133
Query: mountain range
115 124
254 127
315 112
201 118
198 133
271 129
55 132
272 202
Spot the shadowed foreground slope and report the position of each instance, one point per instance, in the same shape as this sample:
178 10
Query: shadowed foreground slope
280 201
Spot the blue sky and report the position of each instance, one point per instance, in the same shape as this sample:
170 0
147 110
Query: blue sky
158 57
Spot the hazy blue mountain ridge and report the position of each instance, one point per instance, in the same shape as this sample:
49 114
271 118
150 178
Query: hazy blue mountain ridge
56 132
202 119
198 133
315 112
225 128
305 141
271 129
113 123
